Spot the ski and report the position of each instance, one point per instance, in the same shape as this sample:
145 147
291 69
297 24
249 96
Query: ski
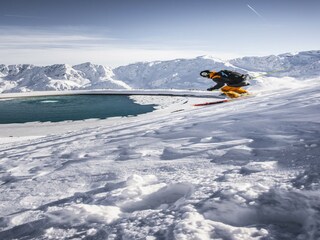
222 101
211 103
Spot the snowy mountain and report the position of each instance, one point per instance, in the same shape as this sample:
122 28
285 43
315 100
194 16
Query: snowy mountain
25 78
176 74
299 65
184 73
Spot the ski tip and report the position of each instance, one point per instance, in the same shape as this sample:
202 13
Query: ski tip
210 103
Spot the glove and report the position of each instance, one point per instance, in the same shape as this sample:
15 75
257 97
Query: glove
247 77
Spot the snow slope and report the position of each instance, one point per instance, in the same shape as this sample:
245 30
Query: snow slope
246 169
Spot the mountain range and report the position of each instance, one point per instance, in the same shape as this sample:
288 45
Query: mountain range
173 74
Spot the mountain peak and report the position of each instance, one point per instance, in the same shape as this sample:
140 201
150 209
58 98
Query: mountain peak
209 57
85 64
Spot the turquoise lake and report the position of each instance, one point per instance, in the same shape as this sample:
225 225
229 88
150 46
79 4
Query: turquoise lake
75 107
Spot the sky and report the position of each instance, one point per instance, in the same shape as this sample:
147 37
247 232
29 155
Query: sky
120 32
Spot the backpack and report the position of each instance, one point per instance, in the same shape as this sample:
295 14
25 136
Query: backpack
233 77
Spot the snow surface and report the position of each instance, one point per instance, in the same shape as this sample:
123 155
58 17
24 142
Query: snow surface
246 169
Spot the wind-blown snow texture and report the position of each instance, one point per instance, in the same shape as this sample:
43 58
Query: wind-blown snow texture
246 169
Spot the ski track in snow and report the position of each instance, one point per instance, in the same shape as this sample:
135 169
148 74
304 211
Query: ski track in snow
247 169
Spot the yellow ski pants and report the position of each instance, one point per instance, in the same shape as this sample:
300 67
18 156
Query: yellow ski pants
233 92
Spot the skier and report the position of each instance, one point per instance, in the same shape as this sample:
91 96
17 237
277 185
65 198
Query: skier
229 82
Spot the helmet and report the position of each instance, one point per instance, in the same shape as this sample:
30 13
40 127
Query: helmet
205 73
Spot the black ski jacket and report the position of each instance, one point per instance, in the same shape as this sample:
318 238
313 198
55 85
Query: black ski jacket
230 78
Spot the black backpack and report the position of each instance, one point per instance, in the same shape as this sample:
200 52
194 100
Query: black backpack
233 77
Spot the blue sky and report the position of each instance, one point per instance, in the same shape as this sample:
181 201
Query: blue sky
118 32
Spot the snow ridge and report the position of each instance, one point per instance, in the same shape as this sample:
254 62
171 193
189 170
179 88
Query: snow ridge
58 77
300 65
174 74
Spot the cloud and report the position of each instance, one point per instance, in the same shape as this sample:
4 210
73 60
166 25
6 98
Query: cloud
13 41
23 16
70 45
28 38
108 56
